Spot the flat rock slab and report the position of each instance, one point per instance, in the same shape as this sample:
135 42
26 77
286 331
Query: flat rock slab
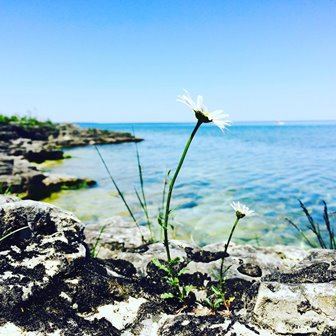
296 309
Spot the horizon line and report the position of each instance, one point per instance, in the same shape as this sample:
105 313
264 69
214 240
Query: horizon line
190 122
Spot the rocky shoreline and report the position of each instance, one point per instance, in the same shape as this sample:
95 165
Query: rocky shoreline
22 147
51 285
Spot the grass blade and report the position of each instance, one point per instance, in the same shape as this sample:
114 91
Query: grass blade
94 252
314 228
301 233
332 242
142 202
119 192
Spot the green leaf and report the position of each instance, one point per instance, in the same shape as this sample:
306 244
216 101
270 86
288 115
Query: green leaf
167 296
208 302
218 302
174 282
188 289
226 269
175 261
162 267
216 290
182 271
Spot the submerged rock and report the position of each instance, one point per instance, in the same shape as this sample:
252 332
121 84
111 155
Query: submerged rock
24 178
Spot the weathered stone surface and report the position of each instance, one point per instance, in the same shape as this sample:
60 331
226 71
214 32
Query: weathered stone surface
33 257
49 284
34 150
296 309
211 325
118 235
45 277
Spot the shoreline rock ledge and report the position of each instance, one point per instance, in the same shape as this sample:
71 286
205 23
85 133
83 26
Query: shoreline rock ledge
50 285
22 146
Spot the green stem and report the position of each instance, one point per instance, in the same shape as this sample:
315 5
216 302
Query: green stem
121 195
171 187
221 278
144 201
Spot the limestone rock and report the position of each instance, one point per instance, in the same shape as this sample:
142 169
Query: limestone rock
50 285
296 309
71 135
119 234
33 257
45 276
22 144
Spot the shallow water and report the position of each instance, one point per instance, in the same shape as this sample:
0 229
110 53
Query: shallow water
264 166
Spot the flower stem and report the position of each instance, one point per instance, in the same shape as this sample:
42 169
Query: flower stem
171 187
221 278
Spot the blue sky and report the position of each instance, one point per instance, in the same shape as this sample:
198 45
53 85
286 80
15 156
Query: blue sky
126 61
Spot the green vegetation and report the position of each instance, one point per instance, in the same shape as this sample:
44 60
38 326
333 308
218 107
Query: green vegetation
120 193
323 237
95 248
142 197
172 268
26 121
77 184
172 277
5 189
218 299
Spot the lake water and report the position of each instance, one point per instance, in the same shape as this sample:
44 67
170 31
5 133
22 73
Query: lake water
264 166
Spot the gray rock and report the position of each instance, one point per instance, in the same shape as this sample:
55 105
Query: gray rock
119 234
71 135
25 179
296 309
33 257
46 279
20 145
49 284
8 199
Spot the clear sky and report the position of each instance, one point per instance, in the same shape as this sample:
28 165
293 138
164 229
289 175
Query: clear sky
126 61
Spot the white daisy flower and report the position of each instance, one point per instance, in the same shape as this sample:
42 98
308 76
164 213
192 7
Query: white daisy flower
218 117
242 210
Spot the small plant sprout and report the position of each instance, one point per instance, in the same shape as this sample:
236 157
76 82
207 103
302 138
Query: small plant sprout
141 196
203 116
172 278
219 295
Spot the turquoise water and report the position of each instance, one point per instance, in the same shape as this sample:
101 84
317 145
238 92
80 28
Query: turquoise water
264 166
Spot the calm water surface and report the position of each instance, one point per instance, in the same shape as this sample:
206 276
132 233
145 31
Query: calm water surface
266 167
